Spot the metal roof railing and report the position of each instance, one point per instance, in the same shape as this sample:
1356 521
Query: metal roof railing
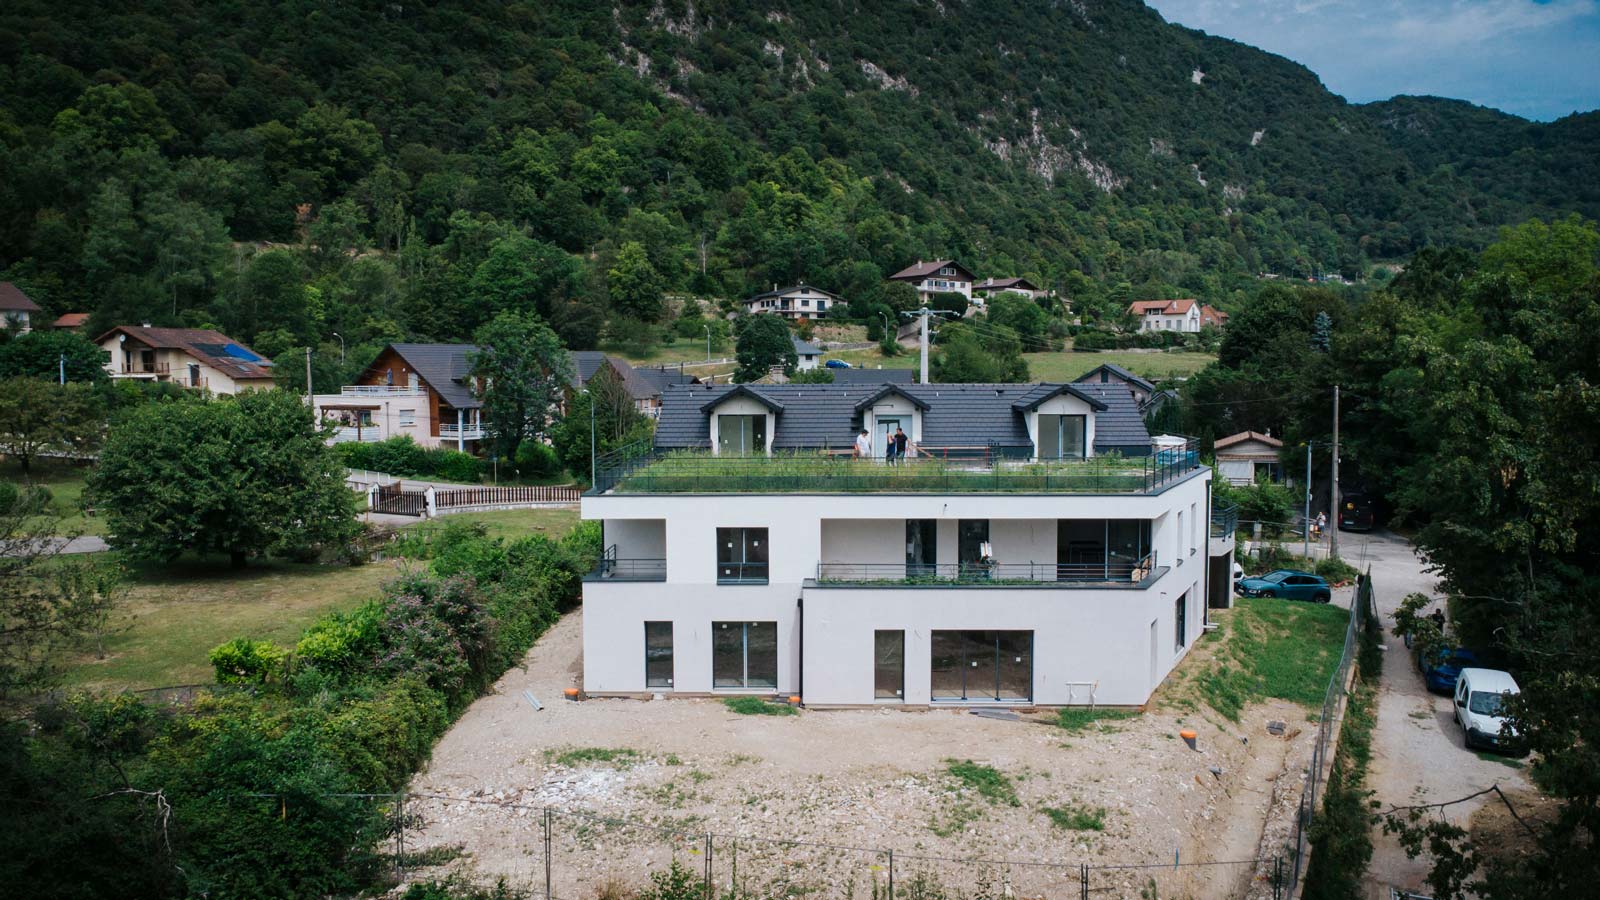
642 469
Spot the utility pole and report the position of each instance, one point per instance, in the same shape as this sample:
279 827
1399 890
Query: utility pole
310 397
708 347
1333 523
924 342
1305 547
593 463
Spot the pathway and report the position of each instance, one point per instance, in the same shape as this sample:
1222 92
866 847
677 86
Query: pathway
1418 755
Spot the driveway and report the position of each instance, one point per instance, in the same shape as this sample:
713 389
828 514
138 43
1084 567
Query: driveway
1418 755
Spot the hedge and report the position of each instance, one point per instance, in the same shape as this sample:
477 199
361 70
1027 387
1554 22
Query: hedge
404 457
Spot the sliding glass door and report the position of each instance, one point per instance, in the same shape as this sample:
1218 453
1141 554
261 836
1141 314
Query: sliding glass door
982 665
1061 437
744 655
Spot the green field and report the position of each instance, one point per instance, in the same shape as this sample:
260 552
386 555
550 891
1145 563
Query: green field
512 524
65 481
170 620
1154 366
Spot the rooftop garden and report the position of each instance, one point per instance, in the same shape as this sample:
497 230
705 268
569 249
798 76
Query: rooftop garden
686 471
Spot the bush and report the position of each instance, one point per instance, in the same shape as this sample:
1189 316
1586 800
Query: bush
244 661
1336 570
1091 341
437 629
403 457
382 739
536 459
340 643
1271 504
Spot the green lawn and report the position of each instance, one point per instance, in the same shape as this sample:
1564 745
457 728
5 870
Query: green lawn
65 482
171 619
518 523
1154 366
1264 648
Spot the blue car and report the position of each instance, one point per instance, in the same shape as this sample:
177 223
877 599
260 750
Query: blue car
1441 668
837 364
1288 584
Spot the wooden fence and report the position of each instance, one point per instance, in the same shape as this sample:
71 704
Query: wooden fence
453 498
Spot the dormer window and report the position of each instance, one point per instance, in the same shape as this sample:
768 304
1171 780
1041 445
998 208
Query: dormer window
1061 437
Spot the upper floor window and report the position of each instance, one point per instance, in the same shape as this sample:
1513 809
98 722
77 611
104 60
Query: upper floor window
1061 437
741 556
741 435
408 418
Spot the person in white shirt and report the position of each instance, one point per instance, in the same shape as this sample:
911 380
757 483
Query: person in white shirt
863 445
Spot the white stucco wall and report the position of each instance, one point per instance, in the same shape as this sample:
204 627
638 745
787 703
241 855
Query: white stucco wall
743 406
1081 634
637 538
1064 405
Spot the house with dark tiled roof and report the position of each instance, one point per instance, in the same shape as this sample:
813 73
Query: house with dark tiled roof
191 357
796 303
17 308
422 391
644 383
1031 546
937 276
808 355
989 287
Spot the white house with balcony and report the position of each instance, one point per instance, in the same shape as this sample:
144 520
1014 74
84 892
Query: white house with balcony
797 302
1034 548
197 358
938 276
422 391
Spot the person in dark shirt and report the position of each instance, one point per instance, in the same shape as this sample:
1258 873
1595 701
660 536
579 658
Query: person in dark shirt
900 441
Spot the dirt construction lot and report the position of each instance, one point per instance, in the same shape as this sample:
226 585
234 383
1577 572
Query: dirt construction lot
1035 803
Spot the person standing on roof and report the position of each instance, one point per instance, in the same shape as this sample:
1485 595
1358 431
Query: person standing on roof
863 445
900 441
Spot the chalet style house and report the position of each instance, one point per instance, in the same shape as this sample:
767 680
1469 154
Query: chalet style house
939 276
418 390
992 286
796 303
18 308
191 357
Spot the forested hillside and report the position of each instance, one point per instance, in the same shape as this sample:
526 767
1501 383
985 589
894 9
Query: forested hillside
290 170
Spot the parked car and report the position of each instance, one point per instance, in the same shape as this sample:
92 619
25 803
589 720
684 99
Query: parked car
1357 512
1288 584
1441 668
837 364
1480 709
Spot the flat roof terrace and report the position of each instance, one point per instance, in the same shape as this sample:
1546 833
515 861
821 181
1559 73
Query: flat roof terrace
645 470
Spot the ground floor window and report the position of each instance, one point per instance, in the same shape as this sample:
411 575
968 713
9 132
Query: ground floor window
1180 617
744 655
982 665
889 665
658 654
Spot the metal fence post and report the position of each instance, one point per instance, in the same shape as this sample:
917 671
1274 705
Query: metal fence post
547 893
708 865
1083 880
1277 877
891 875
400 837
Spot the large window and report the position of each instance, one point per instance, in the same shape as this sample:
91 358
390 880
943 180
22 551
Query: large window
889 665
982 665
1095 549
741 556
972 540
1061 437
922 547
744 655
1180 619
741 435
658 654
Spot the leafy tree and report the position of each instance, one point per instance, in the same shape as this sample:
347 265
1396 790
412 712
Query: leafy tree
764 342
949 301
900 297
819 375
634 284
519 372
39 417
617 421
1024 317
242 476
966 355
1322 331
38 354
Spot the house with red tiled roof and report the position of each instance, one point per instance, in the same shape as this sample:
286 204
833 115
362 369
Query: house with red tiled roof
191 357
1211 317
70 322
1167 315
937 276
17 308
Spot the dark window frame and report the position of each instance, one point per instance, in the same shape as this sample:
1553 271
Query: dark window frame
735 563
879 668
1180 623
651 680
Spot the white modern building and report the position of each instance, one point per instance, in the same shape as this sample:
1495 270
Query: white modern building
801 301
1034 549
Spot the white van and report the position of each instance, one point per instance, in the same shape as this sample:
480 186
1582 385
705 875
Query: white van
1479 698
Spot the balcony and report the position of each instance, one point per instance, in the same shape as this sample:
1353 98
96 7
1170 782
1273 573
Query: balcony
614 569
1110 574
381 390
1224 520
646 470
349 434
468 432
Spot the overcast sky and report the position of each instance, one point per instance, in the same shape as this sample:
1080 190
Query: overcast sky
1540 60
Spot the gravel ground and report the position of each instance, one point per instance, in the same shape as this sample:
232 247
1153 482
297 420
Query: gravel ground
848 778
1418 754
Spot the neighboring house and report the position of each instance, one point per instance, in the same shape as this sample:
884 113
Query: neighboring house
423 391
1167 315
17 307
644 383
962 577
191 357
1141 389
70 322
801 301
1249 457
1211 317
939 276
809 355
993 286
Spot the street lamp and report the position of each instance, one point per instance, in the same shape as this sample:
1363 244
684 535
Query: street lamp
708 343
885 326
592 462
341 346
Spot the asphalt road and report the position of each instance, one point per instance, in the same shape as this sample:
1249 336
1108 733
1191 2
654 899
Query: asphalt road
1418 755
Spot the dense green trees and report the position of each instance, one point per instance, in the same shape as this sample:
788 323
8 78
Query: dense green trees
519 373
764 342
240 476
987 355
39 417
